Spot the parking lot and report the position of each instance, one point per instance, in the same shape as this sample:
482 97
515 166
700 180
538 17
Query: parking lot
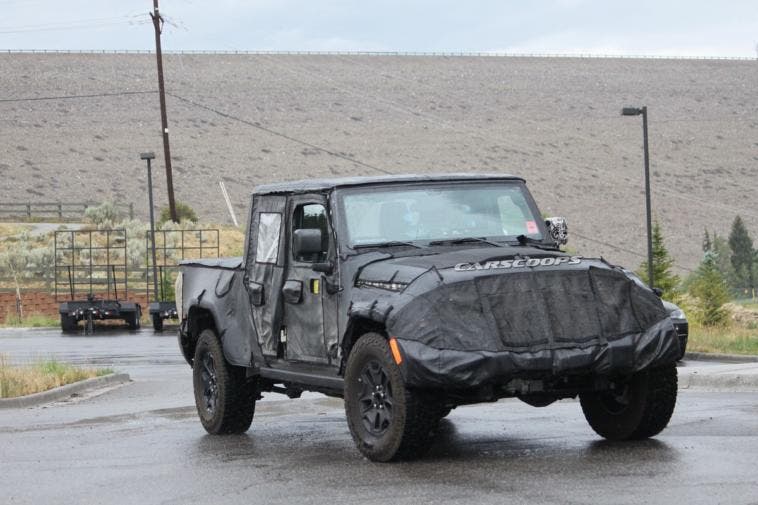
141 443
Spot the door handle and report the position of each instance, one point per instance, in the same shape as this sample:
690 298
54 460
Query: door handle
293 291
256 293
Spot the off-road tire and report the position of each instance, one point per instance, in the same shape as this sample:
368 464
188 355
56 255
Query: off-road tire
235 395
68 323
414 418
157 322
647 406
134 319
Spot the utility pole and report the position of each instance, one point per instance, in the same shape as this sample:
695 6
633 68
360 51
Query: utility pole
158 25
635 111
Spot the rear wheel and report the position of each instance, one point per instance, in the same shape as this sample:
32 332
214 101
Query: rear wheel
640 408
68 323
387 420
224 397
157 322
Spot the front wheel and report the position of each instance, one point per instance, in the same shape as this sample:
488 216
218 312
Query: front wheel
224 397
387 420
640 408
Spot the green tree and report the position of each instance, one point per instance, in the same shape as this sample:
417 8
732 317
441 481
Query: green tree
710 288
721 249
183 212
664 279
707 243
743 255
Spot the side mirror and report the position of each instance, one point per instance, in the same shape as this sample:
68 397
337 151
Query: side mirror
558 229
306 244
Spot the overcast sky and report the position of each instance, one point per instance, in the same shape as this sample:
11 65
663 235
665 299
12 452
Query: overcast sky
641 27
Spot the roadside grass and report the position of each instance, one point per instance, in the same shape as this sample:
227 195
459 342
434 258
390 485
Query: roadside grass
231 241
11 230
731 339
31 321
21 380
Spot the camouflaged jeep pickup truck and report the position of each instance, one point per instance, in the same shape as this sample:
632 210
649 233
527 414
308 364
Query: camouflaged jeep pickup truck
410 295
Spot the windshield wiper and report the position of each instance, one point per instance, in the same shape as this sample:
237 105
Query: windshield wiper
523 240
453 241
390 243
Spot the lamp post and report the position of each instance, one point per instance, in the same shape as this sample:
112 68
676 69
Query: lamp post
148 157
634 111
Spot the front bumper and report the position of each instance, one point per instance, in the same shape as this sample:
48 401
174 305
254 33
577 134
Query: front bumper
424 366
682 333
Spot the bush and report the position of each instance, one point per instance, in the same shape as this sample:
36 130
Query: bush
103 216
183 212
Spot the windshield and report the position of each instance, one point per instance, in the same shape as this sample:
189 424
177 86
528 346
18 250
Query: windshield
498 211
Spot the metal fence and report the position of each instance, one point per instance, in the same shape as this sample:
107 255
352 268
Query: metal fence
89 261
384 53
171 247
60 211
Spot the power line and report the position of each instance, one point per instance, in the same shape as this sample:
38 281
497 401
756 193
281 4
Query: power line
279 134
134 19
68 97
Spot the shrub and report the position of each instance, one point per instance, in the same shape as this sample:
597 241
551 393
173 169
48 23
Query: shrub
183 212
103 216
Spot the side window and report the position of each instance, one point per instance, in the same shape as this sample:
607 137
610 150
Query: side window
269 231
312 216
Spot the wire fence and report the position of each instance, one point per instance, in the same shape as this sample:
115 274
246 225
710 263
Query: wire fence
385 53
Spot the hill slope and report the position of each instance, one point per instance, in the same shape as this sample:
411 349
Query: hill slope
250 119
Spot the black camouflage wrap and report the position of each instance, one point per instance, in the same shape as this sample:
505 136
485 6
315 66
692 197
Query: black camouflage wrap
471 326
216 285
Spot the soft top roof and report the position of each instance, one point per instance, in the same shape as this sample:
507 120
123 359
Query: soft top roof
309 185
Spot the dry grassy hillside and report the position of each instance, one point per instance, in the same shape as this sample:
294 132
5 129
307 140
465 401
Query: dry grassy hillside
248 119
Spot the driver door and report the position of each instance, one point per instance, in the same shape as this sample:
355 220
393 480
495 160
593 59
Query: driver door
304 290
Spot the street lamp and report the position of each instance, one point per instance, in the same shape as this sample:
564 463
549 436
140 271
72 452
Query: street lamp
634 111
148 157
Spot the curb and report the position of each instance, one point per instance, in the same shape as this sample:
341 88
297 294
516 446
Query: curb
727 382
63 391
724 358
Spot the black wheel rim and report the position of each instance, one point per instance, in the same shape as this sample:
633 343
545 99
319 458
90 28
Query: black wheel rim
210 383
376 400
616 402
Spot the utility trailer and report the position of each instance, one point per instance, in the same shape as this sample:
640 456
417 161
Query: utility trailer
91 279
172 246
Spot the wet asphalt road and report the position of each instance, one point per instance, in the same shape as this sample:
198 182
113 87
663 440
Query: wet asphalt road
141 443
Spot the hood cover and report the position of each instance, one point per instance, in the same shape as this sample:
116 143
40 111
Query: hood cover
491 325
